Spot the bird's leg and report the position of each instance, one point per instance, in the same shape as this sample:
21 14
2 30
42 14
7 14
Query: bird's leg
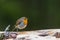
13 29
17 29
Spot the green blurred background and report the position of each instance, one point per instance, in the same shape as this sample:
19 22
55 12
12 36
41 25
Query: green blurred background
42 14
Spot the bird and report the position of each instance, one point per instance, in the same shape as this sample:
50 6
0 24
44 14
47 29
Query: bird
21 23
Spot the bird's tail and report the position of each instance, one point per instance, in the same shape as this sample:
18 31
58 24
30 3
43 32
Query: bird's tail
15 27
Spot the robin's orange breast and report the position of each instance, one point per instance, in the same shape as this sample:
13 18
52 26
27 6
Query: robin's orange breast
25 21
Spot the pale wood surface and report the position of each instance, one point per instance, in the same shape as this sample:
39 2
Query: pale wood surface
47 34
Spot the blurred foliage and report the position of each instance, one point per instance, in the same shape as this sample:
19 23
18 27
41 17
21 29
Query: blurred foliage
42 14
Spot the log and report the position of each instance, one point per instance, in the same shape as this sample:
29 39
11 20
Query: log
47 34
